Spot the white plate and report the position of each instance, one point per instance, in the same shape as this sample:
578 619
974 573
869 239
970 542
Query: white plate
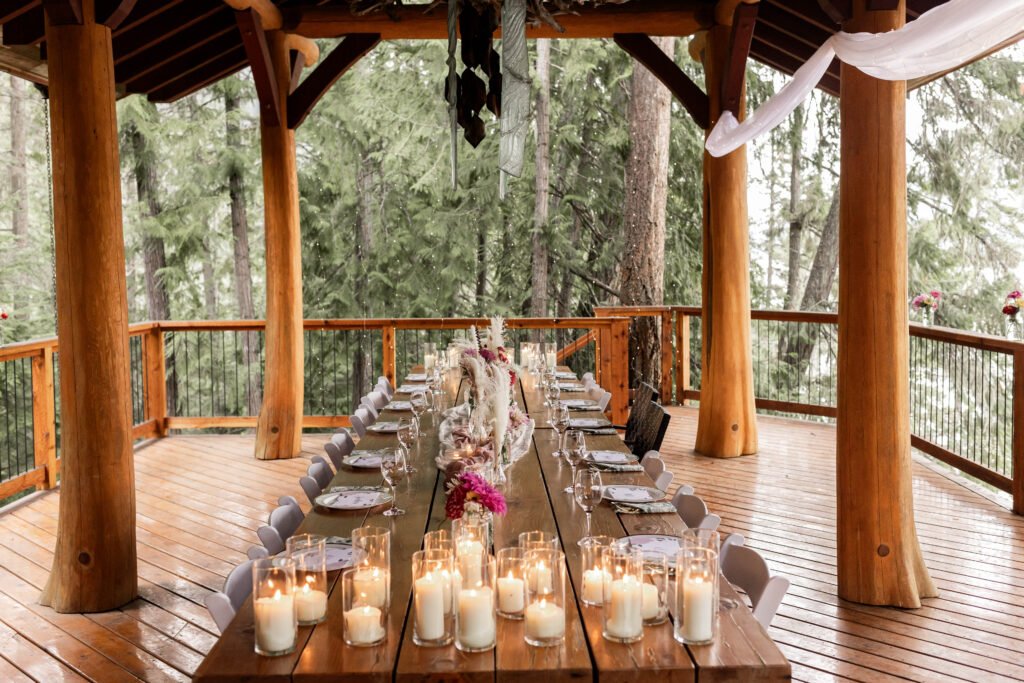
579 403
339 556
588 422
418 377
564 386
383 428
610 457
365 460
399 405
354 497
410 388
566 375
624 493
665 544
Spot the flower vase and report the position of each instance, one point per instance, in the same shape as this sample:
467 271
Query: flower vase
483 515
926 316
1012 330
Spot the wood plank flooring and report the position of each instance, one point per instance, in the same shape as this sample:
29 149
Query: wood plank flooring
201 498
783 502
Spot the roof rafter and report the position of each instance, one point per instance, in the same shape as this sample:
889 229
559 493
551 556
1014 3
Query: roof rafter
742 33
342 57
689 94
261 62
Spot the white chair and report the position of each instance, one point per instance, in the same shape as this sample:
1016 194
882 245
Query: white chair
311 489
237 588
361 419
385 384
744 567
653 464
321 472
664 480
378 399
257 552
694 512
283 522
604 400
340 445
588 377
366 403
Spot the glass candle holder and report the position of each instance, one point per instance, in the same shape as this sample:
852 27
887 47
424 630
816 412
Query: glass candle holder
273 603
550 355
622 608
471 536
364 621
655 588
309 553
371 547
536 540
475 619
511 583
432 597
429 357
696 613
441 539
544 615
700 538
591 551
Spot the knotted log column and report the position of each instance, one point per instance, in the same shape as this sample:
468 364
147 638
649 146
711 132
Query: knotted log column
279 431
726 424
94 564
878 553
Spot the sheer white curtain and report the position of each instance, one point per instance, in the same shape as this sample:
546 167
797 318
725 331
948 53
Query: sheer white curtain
938 40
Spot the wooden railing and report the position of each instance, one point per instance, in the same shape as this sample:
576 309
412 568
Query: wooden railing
208 374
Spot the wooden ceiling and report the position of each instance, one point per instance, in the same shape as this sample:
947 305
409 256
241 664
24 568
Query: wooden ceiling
167 49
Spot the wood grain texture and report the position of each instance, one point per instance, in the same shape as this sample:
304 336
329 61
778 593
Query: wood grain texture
879 558
44 438
279 431
94 565
727 425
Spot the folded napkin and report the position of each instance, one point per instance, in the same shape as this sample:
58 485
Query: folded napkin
588 423
565 386
602 431
337 540
660 507
616 467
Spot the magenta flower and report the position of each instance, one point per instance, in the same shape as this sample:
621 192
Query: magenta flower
1015 294
936 295
487 355
470 487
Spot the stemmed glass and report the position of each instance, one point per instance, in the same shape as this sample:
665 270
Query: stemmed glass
405 440
587 483
437 388
392 466
560 423
419 406
551 392
575 454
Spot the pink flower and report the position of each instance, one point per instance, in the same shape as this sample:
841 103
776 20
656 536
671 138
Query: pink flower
1015 294
487 355
936 295
472 488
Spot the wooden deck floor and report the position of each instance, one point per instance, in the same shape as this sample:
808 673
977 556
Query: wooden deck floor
200 500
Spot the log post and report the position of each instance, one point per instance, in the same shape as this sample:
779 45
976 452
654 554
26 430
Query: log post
94 564
879 559
156 380
666 355
618 370
44 423
726 423
388 361
1018 431
279 431
682 357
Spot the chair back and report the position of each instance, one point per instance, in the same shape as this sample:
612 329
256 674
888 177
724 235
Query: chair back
286 519
366 403
651 430
653 465
360 421
321 459
385 384
694 512
664 480
644 395
340 445
237 588
257 552
587 376
311 488
321 473
270 538
744 567
377 399
604 400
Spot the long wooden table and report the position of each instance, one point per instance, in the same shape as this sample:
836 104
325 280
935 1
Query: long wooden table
743 651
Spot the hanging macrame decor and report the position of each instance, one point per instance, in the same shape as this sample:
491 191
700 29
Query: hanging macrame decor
515 102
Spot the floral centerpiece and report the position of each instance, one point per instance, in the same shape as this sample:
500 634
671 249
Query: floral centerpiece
926 303
1012 304
470 494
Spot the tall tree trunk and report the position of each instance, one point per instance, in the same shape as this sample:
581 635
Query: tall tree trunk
539 273
642 274
242 261
362 367
481 265
209 287
19 173
565 289
796 223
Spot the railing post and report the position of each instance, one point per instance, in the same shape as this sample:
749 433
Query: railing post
44 423
1018 430
156 380
666 355
389 354
682 357
618 379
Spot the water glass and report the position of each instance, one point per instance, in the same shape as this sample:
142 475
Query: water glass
273 604
405 433
560 423
419 407
364 619
696 599
575 453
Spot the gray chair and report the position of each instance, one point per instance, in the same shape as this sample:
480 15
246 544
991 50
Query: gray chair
368 404
694 512
664 480
745 568
326 463
237 588
361 419
604 400
378 399
311 488
321 472
283 522
257 552
385 385
653 464
340 445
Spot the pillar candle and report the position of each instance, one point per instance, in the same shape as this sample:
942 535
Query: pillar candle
544 620
698 609
275 623
429 360
625 608
651 602
593 585
362 624
477 627
430 607
540 578
550 358
373 584
310 604
471 556
510 594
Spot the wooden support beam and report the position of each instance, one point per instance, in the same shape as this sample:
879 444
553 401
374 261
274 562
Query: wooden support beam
279 431
689 94
44 425
165 29
13 9
186 63
739 47
309 92
200 78
1017 468
255 40
142 12
726 424
26 29
298 64
878 556
94 564
837 10
168 52
156 380
23 61
111 13
63 12
651 17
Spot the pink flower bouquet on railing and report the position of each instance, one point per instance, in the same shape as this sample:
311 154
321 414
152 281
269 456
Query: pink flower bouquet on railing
926 303
1012 304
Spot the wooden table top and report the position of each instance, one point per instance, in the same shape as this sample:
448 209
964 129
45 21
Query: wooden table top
743 651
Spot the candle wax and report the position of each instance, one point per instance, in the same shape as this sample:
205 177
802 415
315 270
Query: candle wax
310 604
624 610
363 625
430 608
476 626
275 623
373 584
544 620
698 610
510 595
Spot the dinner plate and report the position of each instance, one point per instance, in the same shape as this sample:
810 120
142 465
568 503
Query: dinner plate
383 427
579 403
588 422
399 405
418 377
365 460
410 388
565 375
354 497
338 555
610 457
565 386
665 544
624 493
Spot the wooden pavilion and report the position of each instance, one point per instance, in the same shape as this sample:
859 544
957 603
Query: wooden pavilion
87 53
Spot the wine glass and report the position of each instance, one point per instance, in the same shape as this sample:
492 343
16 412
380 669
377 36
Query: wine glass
392 466
437 388
587 484
560 423
405 440
551 392
575 454
419 406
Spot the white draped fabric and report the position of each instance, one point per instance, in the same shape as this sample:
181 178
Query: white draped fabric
939 40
